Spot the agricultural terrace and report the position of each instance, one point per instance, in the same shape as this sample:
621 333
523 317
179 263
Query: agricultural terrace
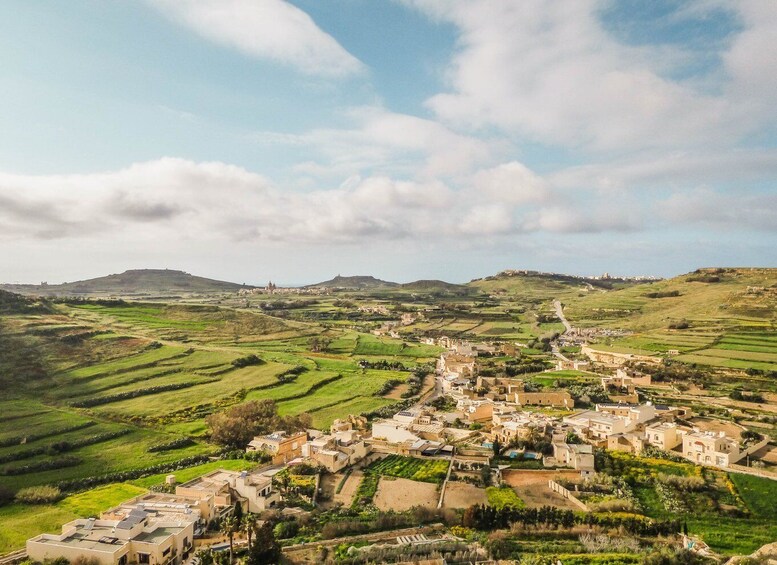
731 512
111 387
423 470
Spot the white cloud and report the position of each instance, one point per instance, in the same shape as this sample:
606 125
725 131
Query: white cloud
267 29
178 200
712 209
552 73
512 183
389 142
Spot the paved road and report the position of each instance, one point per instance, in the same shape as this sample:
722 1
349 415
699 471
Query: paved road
567 328
560 314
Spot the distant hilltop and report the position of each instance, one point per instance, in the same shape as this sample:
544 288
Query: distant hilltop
132 282
355 282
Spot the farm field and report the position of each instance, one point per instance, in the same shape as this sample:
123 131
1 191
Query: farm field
425 470
399 494
117 380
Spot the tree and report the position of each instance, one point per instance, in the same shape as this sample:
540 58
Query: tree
265 550
229 527
238 425
238 514
248 527
497 447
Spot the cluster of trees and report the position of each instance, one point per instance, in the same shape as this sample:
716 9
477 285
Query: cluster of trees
247 361
237 426
738 394
487 518
382 365
662 294
262 549
524 366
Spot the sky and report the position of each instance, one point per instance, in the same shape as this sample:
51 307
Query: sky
255 140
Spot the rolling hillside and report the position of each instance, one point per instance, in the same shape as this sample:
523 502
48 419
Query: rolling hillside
355 283
133 282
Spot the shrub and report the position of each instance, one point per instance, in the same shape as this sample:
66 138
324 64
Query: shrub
247 361
38 495
285 530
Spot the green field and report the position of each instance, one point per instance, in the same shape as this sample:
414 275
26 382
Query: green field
424 470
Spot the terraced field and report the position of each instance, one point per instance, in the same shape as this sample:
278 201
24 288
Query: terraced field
109 383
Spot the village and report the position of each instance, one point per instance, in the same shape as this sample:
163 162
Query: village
472 439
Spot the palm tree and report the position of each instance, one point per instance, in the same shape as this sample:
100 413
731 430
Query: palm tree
248 526
229 527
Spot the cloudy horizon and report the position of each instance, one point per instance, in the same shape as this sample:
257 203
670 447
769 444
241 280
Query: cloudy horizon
250 140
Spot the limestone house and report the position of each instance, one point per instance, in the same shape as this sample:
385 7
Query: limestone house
281 446
172 506
664 435
628 442
632 413
558 399
336 451
596 425
577 456
253 490
455 365
140 537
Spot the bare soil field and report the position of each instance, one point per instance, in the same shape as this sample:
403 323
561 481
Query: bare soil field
403 494
767 454
710 425
463 495
532 487
397 392
521 477
349 488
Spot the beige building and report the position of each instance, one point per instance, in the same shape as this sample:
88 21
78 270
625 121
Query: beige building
577 456
633 414
455 365
336 451
171 506
281 446
628 442
252 490
665 435
558 399
710 448
140 537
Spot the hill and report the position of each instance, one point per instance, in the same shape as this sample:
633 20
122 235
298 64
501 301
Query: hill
715 317
710 297
355 283
11 303
435 286
133 282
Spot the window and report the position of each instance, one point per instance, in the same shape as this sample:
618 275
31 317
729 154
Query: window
123 560
143 558
166 552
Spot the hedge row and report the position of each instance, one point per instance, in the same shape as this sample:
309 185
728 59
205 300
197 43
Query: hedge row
97 401
87 483
62 446
38 466
19 440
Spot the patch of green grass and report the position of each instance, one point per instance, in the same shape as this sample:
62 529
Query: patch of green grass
97 500
759 494
424 470
19 522
499 497
184 475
